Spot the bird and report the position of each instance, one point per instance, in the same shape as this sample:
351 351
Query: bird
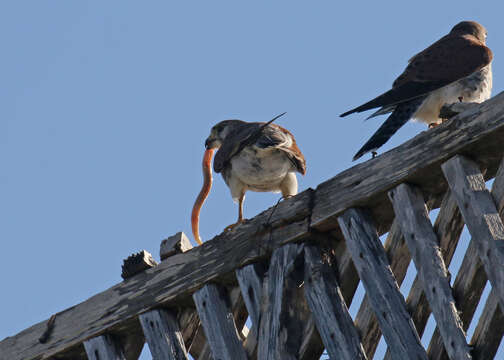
255 156
455 68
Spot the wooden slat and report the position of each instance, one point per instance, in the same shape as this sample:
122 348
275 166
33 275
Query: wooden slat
250 279
199 348
478 132
171 282
490 329
283 311
471 278
372 265
399 258
163 335
448 227
218 322
481 216
328 307
103 348
411 212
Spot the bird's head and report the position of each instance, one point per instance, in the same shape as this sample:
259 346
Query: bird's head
220 131
470 28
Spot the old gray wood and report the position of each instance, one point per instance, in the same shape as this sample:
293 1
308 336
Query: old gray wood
399 258
284 312
103 348
137 263
176 244
478 132
250 279
448 227
328 307
481 216
412 215
490 329
467 289
218 322
199 347
163 335
372 265
471 278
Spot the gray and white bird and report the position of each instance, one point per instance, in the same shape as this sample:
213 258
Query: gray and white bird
255 156
455 68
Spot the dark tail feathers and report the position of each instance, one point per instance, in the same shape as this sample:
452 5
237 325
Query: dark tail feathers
402 113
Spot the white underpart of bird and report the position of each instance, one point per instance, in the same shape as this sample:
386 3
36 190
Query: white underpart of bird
255 157
455 68
476 87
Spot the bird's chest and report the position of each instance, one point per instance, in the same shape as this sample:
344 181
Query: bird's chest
476 87
260 169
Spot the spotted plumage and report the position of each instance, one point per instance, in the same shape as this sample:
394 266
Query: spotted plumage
455 68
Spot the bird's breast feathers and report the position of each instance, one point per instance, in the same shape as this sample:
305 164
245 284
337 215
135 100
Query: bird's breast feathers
261 169
476 87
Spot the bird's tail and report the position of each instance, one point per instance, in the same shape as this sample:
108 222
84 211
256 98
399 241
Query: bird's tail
401 114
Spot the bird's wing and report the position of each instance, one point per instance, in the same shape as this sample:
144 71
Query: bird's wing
280 138
449 59
261 137
242 136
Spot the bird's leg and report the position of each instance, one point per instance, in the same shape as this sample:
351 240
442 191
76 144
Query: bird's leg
240 213
460 98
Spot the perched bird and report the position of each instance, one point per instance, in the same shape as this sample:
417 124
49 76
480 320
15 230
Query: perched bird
255 156
455 68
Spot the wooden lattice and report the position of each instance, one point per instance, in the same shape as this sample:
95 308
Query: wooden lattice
293 271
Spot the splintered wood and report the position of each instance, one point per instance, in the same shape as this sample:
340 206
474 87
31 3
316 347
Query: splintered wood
293 270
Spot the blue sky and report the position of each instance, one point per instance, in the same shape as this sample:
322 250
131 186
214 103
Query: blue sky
105 106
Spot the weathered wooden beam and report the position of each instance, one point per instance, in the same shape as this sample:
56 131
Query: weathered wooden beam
284 311
467 289
490 329
176 244
163 335
481 216
218 322
199 347
412 215
471 278
170 283
137 263
103 348
329 310
448 227
250 279
478 132
372 265
399 258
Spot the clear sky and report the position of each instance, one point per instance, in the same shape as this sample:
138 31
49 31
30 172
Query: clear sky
105 106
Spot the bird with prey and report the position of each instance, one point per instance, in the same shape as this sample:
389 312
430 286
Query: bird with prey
251 156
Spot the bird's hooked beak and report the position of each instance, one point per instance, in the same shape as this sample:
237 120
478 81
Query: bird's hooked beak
211 143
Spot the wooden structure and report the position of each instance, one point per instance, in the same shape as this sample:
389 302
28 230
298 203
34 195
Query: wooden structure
293 269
